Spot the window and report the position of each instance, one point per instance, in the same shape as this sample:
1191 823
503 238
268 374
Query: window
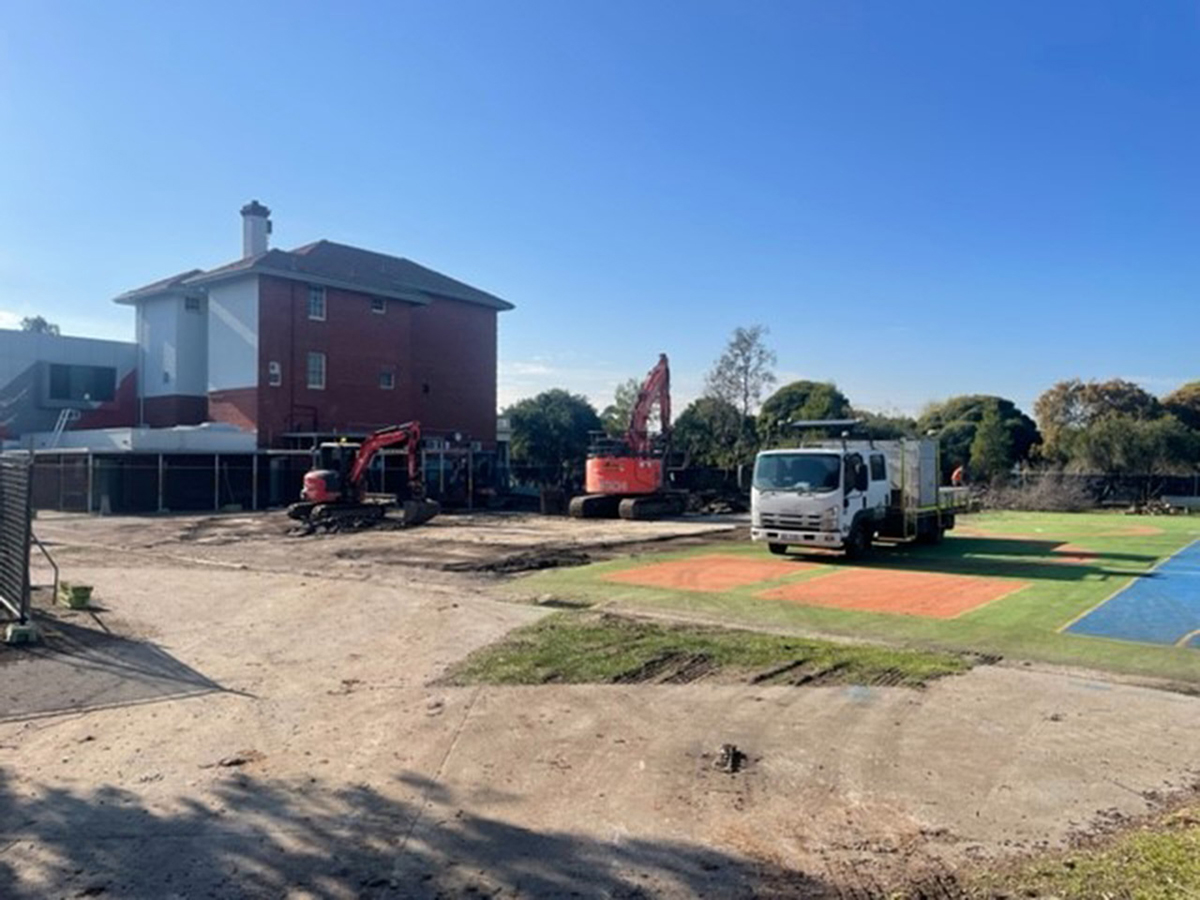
878 467
316 371
387 379
95 384
804 473
316 303
191 304
378 305
274 374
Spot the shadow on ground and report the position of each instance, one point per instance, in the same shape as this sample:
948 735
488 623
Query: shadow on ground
265 838
80 665
1026 559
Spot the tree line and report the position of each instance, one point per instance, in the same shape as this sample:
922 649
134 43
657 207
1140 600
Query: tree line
1112 428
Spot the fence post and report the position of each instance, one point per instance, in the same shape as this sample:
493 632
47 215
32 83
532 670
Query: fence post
162 475
254 482
216 482
90 468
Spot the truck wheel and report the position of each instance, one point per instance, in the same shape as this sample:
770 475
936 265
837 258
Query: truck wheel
777 549
857 543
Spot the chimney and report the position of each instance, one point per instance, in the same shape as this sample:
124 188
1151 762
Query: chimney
256 225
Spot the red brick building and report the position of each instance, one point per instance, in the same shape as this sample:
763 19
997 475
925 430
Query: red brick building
324 339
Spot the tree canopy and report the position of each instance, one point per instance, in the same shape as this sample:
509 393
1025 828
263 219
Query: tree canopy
799 400
991 448
615 417
955 422
1122 444
709 433
1069 408
39 325
1184 404
744 370
552 430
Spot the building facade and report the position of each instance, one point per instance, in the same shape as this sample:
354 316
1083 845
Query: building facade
45 378
324 339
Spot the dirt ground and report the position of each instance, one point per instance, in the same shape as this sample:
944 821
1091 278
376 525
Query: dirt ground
254 715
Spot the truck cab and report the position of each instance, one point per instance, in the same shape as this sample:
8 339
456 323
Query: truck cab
834 498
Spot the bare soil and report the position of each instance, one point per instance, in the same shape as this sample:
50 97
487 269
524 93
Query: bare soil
253 715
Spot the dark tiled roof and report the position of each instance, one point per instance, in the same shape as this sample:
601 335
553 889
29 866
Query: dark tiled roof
339 265
166 285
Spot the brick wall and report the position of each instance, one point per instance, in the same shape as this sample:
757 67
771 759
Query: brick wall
454 369
358 345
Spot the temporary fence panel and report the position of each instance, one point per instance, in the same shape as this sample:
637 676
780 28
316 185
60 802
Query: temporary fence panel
16 479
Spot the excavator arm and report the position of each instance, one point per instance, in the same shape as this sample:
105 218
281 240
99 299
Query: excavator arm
655 389
408 435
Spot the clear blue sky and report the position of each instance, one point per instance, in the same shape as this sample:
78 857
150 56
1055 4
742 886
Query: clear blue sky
919 199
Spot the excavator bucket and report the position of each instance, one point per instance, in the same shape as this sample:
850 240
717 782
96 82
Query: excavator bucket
418 512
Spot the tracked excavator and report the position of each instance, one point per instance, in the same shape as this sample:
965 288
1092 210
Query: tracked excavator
335 496
626 476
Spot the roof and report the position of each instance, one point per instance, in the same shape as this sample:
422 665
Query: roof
172 285
334 265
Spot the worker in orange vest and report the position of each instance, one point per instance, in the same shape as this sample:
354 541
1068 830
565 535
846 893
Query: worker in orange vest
958 477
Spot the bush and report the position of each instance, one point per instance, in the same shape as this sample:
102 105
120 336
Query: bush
1051 492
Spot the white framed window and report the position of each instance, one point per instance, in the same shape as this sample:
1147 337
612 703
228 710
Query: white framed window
316 303
316 371
378 305
387 379
274 374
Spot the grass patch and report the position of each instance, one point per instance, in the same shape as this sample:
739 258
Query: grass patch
590 648
1160 861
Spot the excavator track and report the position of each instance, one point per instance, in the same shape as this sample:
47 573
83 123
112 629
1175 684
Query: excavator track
594 506
652 506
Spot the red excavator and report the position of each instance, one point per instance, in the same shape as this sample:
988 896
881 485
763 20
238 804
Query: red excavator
334 495
626 476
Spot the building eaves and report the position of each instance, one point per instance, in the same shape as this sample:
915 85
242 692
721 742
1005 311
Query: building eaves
175 284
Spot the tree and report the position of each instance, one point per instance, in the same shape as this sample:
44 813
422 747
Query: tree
955 422
1069 407
552 431
1122 444
707 433
881 427
1184 404
991 448
615 417
799 400
743 372
38 325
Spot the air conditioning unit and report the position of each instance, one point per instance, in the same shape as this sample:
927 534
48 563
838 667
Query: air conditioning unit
476 446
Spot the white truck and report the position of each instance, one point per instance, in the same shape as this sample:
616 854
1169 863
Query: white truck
845 494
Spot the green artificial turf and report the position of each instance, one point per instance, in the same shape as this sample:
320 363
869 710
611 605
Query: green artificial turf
1025 624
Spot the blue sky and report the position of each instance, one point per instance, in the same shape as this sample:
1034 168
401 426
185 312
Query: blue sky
918 199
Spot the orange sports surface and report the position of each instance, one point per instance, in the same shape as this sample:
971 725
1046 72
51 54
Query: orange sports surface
711 573
907 593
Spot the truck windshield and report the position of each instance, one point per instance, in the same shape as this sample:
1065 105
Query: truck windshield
805 472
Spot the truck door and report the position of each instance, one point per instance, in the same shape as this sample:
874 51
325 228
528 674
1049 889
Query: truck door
880 488
856 483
